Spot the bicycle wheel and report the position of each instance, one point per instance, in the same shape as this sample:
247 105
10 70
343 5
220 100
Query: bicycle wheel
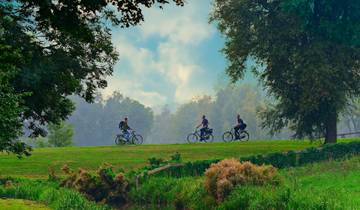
192 138
210 138
119 140
137 139
244 136
228 136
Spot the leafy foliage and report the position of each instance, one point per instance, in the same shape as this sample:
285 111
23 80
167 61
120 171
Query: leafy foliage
64 48
307 55
10 104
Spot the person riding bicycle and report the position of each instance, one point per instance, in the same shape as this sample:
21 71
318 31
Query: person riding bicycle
240 126
205 125
125 128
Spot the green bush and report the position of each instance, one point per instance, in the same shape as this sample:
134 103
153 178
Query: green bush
311 155
279 159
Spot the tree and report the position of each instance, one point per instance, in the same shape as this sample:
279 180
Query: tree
161 131
221 112
60 135
10 105
97 123
65 48
307 54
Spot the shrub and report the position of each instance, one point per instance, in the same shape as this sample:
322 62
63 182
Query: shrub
105 186
155 162
223 177
278 159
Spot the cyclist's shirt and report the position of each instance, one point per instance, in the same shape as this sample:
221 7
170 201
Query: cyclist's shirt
124 126
240 121
205 123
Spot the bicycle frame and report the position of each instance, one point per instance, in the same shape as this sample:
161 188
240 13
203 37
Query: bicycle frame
130 136
198 134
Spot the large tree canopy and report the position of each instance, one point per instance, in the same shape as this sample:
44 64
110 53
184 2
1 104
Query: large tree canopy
65 48
307 52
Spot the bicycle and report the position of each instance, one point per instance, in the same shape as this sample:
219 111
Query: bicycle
132 139
195 137
229 136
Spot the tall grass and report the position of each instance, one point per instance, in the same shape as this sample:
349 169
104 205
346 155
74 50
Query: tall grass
328 185
48 193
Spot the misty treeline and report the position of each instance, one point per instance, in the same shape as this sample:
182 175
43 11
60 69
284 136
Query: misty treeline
97 123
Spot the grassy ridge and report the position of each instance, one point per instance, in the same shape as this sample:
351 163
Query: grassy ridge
132 157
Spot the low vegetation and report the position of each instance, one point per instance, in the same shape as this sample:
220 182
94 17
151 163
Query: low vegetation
18 204
48 193
325 185
327 180
133 157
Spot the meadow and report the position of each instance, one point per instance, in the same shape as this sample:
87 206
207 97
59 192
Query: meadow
132 157
324 185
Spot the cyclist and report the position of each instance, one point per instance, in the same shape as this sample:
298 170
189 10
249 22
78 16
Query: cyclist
205 124
125 128
240 126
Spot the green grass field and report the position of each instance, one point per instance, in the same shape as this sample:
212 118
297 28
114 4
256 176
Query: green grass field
132 157
325 185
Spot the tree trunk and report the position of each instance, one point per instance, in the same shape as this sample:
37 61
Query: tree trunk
331 129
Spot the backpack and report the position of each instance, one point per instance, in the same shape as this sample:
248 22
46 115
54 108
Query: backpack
121 124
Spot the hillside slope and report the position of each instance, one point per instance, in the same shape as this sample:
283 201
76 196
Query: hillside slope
132 157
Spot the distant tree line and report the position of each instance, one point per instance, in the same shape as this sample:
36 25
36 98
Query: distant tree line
97 123
221 111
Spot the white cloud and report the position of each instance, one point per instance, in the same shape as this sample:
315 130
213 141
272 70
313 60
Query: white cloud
135 91
185 25
181 30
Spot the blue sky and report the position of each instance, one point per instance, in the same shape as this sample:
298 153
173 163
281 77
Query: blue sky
170 58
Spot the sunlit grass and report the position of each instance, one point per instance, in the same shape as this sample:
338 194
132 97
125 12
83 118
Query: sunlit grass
18 204
132 157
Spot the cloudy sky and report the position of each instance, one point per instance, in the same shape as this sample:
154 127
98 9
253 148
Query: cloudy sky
171 57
